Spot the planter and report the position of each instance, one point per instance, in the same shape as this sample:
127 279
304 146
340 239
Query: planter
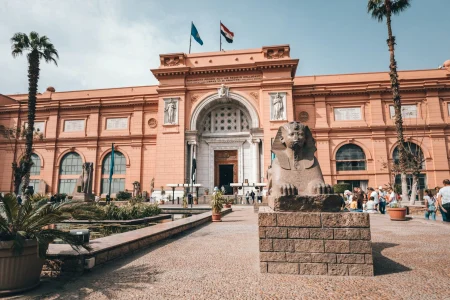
19 273
216 217
195 202
227 205
397 214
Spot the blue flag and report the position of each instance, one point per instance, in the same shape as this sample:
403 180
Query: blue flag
195 34
111 170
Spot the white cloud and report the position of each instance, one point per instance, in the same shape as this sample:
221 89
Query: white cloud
99 46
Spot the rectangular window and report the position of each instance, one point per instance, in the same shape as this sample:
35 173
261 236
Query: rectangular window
350 165
73 125
116 123
117 185
34 183
67 186
38 127
408 111
347 114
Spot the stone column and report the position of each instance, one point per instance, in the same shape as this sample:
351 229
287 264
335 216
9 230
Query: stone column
256 167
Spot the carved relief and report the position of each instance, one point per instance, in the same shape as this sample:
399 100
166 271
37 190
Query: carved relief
223 93
303 116
275 54
194 98
171 61
255 95
152 123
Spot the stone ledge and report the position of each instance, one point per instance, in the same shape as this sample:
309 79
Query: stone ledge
111 247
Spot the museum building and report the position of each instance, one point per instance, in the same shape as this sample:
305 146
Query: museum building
224 109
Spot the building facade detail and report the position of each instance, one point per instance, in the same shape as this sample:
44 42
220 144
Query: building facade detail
223 109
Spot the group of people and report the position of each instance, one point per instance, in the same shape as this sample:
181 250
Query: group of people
375 200
252 195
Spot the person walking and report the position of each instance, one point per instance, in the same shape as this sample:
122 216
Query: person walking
247 196
430 205
443 200
381 200
252 194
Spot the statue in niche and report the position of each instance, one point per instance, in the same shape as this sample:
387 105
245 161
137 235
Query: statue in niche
171 111
86 186
223 91
295 170
136 188
278 107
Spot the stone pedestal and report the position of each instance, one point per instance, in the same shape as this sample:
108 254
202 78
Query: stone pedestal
315 243
309 203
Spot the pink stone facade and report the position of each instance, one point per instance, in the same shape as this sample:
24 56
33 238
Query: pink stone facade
339 109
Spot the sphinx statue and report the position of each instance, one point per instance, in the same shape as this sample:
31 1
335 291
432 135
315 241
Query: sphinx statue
295 174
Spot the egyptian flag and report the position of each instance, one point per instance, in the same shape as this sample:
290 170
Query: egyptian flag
227 34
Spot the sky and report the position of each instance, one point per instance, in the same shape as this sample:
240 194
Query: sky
114 43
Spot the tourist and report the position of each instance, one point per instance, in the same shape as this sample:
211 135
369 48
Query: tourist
381 200
252 194
360 197
190 198
371 206
348 196
373 195
430 205
391 197
354 205
443 200
259 193
247 196
223 190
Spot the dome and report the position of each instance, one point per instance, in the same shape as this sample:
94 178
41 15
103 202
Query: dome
447 63
51 89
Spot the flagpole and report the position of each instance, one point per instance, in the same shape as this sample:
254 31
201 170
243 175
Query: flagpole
220 35
111 171
190 38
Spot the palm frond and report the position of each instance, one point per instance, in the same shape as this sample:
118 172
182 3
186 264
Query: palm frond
377 9
399 6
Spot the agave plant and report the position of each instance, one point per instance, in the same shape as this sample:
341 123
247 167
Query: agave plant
217 202
31 221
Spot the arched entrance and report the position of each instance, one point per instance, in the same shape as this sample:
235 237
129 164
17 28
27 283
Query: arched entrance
226 142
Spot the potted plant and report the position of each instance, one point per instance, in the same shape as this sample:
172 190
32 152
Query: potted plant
217 205
396 212
195 201
228 202
24 237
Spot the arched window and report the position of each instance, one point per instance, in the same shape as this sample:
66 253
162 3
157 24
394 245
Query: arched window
118 181
71 164
70 169
36 167
350 157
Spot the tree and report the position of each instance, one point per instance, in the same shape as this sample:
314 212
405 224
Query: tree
38 48
380 9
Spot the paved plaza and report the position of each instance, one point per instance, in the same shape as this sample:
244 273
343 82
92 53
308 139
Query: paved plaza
220 261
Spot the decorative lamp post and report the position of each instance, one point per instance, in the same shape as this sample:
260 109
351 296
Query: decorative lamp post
173 186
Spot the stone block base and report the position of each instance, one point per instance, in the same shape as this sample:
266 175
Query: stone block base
315 243
307 203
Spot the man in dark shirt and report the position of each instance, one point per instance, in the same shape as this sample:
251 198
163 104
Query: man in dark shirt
360 197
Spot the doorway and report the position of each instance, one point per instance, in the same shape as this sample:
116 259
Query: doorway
226 178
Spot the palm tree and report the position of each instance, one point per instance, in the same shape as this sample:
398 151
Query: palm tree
38 48
380 9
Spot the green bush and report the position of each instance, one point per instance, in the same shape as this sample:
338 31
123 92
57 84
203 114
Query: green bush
39 197
398 189
60 197
340 188
130 212
123 195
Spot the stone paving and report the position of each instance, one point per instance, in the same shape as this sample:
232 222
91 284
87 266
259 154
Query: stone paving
220 261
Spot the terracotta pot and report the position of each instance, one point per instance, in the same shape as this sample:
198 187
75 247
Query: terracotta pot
216 217
227 205
397 214
195 202
22 272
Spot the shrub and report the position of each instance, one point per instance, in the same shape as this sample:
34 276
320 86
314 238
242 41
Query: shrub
60 197
123 195
38 197
130 212
340 188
